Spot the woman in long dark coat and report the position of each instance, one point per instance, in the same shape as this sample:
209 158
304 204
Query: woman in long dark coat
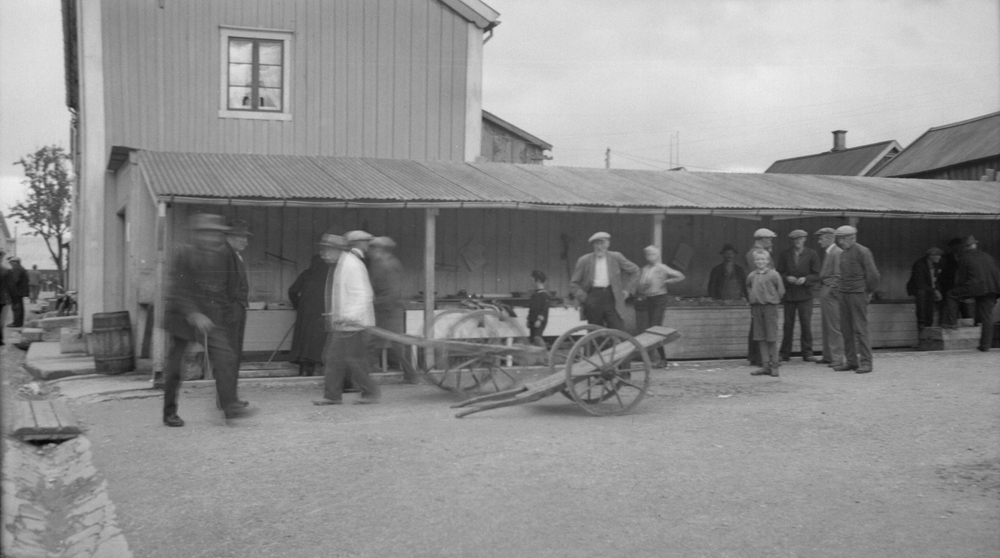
307 294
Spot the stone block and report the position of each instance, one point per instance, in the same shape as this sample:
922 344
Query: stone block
72 341
55 324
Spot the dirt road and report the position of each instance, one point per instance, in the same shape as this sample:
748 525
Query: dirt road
902 462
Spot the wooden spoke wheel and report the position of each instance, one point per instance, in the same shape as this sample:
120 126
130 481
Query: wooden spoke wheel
466 369
559 353
607 372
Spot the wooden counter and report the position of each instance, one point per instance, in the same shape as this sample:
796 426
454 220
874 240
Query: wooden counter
265 329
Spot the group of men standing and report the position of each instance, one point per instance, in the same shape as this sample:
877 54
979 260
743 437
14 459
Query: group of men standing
847 276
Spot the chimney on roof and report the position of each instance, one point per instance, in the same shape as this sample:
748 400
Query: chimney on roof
839 141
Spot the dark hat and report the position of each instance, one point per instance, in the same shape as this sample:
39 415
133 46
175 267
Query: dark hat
726 248
934 251
970 240
825 230
333 241
539 276
206 222
238 227
955 242
798 233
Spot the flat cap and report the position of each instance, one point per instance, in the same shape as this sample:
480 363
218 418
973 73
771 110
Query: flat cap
826 230
764 233
970 240
599 236
206 222
357 236
13 259
798 233
333 241
845 230
239 227
934 251
383 242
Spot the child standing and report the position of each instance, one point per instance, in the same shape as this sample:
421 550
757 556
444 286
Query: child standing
538 309
765 290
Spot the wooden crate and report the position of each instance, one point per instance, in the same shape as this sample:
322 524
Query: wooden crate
46 420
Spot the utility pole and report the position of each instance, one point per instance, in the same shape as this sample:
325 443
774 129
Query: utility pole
607 158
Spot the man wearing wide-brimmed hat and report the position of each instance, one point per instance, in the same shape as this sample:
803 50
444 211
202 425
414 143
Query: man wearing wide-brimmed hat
195 298
727 281
799 267
601 282
829 299
234 315
924 286
977 277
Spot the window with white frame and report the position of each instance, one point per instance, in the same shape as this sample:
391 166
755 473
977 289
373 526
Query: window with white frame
255 81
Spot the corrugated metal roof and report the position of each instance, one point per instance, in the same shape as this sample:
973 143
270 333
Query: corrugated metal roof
390 182
948 145
855 161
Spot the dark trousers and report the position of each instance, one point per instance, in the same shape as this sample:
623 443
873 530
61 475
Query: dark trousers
984 314
2 325
17 308
599 308
223 362
854 327
234 332
925 304
648 313
804 310
345 355
753 348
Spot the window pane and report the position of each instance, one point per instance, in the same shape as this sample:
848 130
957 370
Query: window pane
241 50
270 99
270 52
270 76
239 98
240 74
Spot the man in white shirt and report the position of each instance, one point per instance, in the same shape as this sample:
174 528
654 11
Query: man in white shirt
351 311
602 281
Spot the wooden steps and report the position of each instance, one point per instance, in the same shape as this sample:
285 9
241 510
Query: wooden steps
44 420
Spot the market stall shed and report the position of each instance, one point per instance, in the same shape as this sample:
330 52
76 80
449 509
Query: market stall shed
482 227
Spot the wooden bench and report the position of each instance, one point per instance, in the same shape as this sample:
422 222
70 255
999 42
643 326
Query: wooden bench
44 420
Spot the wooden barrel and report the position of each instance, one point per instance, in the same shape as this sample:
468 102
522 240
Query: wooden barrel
111 343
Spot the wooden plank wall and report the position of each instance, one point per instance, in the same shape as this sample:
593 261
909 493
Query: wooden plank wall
511 243
370 78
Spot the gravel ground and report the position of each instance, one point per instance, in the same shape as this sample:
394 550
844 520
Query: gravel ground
903 462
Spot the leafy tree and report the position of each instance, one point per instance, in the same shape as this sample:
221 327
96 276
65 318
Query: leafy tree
47 209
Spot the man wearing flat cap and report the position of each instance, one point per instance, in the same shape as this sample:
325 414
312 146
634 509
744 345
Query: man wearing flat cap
829 299
234 315
763 239
352 311
799 268
386 274
196 297
979 278
925 286
859 280
601 282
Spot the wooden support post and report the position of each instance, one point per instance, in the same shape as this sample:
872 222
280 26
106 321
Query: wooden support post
430 256
658 230
159 338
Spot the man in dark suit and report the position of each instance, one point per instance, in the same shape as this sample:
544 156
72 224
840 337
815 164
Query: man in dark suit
4 292
925 286
19 288
977 277
602 281
237 288
196 298
799 268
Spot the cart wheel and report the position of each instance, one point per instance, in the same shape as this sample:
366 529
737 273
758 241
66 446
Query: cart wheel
466 370
564 344
602 374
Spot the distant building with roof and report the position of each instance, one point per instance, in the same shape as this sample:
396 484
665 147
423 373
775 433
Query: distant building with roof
963 150
840 161
504 142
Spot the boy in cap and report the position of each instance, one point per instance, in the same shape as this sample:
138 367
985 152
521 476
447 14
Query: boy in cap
925 286
538 309
799 267
763 240
766 289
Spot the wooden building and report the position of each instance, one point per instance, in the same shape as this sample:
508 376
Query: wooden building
965 150
504 142
841 160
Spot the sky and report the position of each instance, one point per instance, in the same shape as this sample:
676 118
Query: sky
710 85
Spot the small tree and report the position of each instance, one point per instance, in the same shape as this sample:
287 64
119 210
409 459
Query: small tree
47 209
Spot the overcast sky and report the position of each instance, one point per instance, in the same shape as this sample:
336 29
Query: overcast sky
714 85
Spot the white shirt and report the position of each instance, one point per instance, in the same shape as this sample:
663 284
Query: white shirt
352 295
601 278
